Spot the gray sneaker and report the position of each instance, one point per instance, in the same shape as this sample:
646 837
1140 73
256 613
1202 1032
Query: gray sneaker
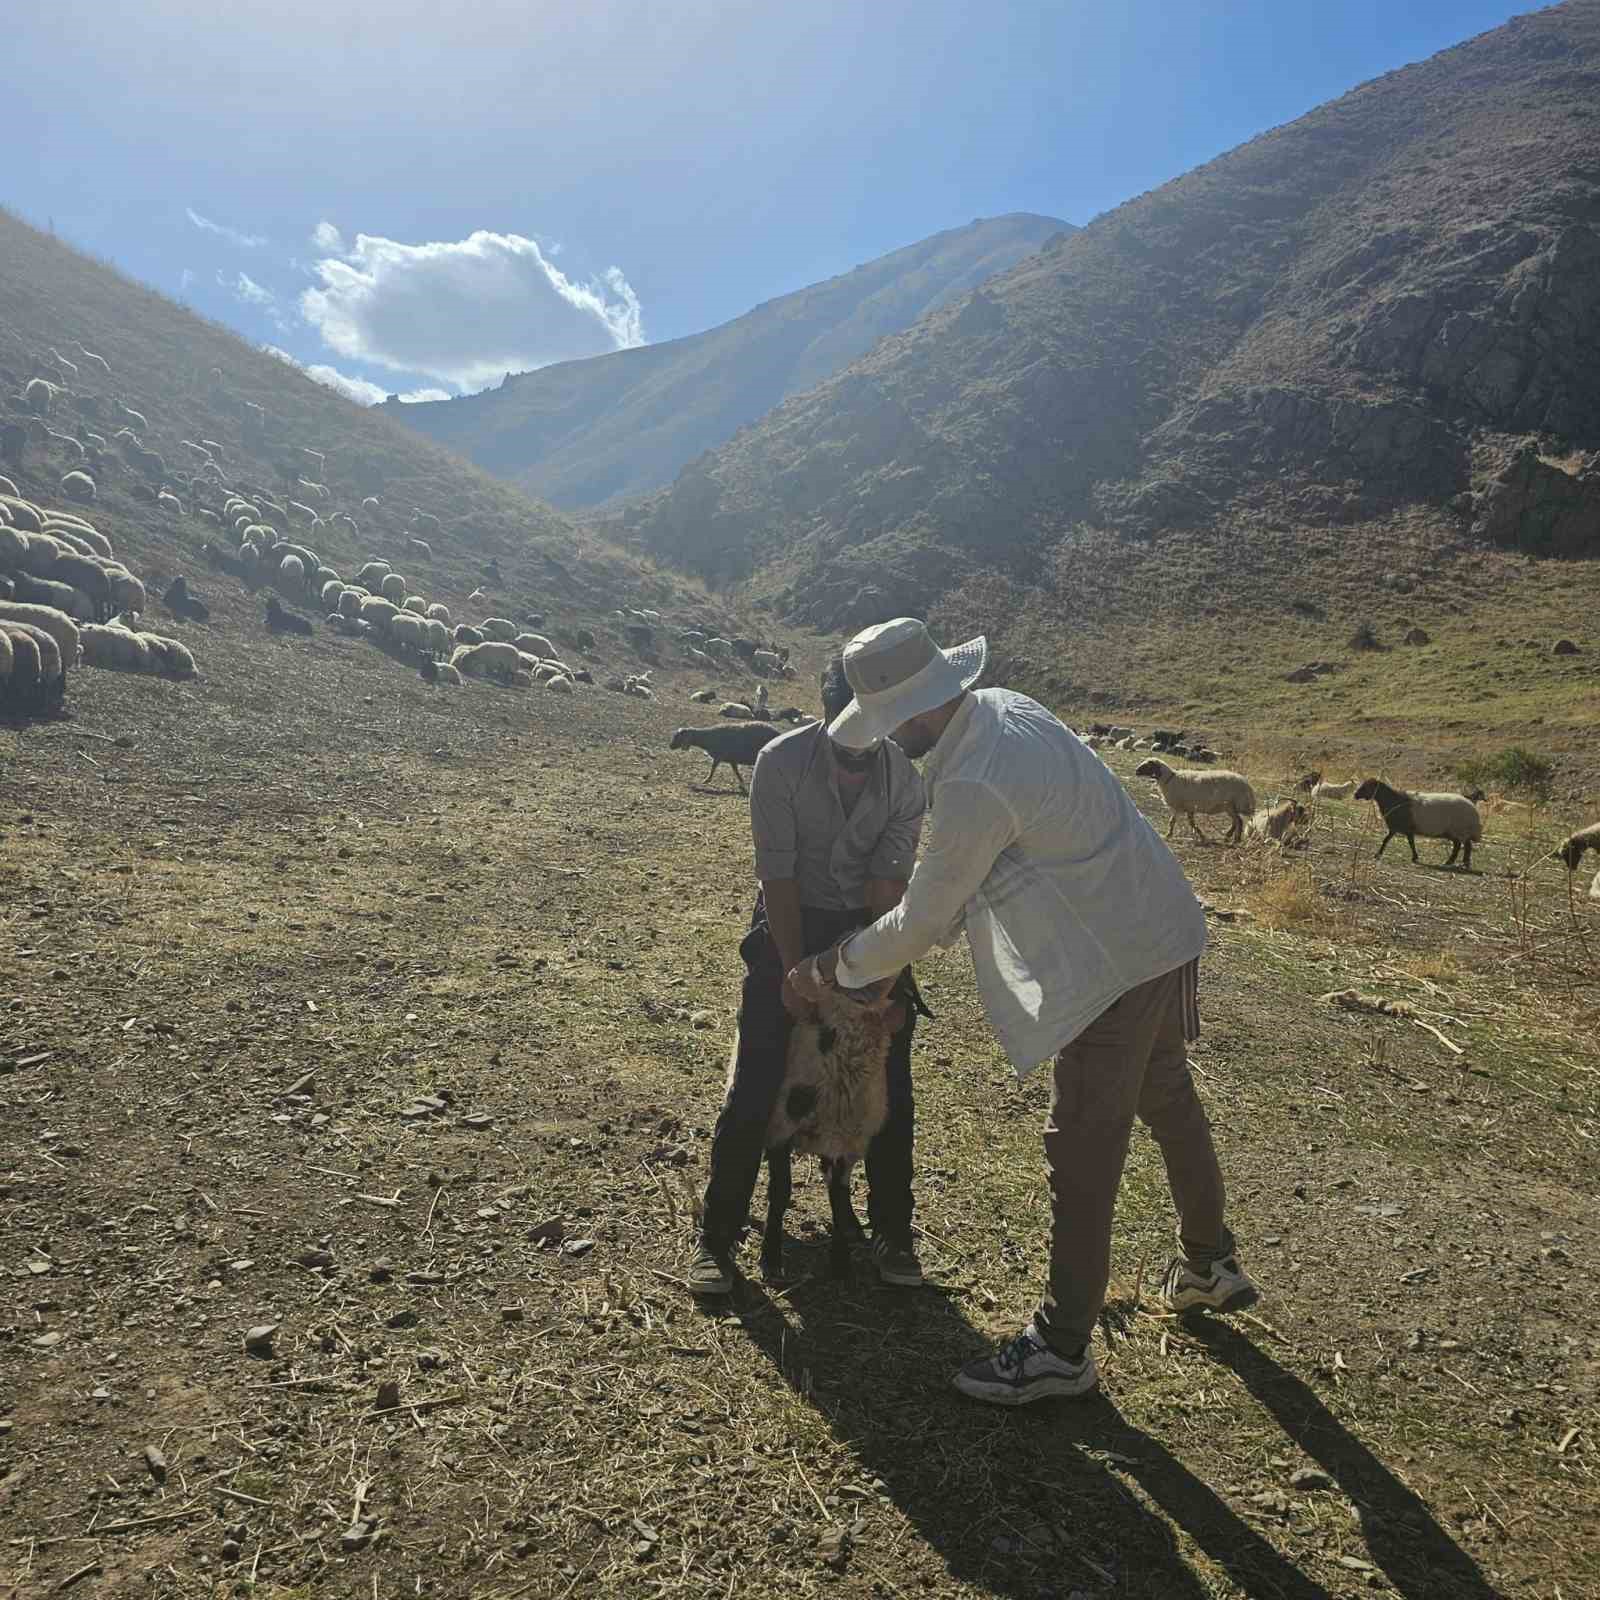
711 1272
1027 1369
896 1263
1223 1286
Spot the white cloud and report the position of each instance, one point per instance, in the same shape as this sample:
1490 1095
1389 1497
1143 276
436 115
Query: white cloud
413 396
245 241
357 389
466 312
327 238
248 292
185 278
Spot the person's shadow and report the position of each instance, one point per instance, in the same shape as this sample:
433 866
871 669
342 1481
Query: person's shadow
1054 1497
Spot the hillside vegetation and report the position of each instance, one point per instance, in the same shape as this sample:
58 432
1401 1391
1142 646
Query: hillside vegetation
584 432
1348 372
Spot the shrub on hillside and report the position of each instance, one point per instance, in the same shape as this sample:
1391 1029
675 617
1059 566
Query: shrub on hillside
1514 768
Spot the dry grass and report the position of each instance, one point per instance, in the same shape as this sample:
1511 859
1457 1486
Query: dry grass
525 923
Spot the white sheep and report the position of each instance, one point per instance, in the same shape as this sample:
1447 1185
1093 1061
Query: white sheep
535 644
61 628
378 613
291 576
370 503
409 631
92 359
494 658
113 649
439 612
1571 849
501 628
169 658
331 591
415 602
1334 791
421 547
439 641
1275 824
1215 792
1434 816
560 683
393 587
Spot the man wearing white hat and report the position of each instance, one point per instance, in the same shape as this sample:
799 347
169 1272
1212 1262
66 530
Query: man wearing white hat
1085 935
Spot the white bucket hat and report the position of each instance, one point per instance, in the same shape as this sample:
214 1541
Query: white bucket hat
898 672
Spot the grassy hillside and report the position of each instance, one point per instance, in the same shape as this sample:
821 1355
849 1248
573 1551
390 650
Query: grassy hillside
1347 372
192 380
584 432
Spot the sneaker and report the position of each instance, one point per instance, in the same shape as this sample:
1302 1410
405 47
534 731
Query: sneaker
1223 1286
896 1263
1026 1369
711 1272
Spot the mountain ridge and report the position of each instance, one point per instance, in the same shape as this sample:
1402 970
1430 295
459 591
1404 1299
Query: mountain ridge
580 433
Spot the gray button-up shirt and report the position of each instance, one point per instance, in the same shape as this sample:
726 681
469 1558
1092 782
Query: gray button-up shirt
802 832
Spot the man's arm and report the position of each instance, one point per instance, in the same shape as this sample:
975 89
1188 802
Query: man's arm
883 895
973 825
782 896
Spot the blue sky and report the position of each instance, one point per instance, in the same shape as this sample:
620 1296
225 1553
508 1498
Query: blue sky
416 196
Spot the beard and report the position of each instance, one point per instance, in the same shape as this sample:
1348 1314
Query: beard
914 739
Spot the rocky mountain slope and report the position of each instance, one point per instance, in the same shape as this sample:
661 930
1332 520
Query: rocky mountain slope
1327 376
584 432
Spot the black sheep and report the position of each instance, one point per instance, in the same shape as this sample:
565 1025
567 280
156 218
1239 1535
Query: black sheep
181 603
736 745
281 621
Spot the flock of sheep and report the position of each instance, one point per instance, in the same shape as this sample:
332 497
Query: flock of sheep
64 601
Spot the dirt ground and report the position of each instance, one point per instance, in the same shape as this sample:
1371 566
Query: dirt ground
394 1020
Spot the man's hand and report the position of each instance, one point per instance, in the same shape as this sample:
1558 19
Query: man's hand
804 982
795 1003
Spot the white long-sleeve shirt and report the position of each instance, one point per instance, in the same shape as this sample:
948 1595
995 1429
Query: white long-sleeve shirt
1068 897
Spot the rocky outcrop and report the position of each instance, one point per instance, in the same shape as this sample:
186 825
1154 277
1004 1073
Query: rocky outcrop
1534 504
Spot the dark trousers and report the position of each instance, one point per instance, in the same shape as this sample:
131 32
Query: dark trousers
741 1136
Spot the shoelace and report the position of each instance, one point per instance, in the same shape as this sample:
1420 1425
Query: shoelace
1012 1355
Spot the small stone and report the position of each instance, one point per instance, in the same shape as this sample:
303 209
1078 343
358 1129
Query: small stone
547 1232
477 1121
37 1267
47 1341
156 1462
101 1394
258 1340
231 1549
403 1319
577 1247
511 1313
355 1537
702 1019
381 1272
315 1259
1310 1478
388 1394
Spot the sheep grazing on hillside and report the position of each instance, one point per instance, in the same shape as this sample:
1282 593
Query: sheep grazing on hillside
439 672
421 547
1434 816
1219 793
281 621
63 631
1571 849
833 1100
91 359
704 696
494 658
78 486
1276 824
735 708
734 747
181 602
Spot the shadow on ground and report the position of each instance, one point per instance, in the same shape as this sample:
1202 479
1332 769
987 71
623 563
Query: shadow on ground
1067 1495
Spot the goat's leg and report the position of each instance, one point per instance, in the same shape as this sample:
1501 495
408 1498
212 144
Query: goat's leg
1455 850
847 1229
715 763
1385 845
780 1185
738 777
1198 830
1411 839
1466 864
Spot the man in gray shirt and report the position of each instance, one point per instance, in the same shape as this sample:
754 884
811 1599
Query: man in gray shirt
836 835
